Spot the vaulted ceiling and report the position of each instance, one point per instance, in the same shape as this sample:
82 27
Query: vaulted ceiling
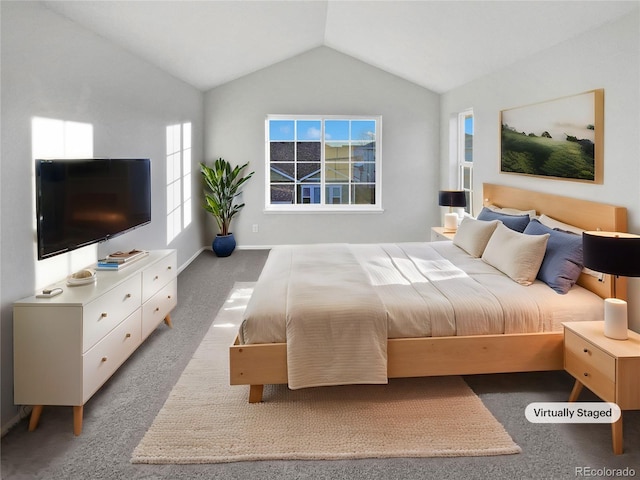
436 44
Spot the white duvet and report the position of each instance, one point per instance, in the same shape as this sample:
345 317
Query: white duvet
335 305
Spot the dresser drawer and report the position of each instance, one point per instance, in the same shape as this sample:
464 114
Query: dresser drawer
593 367
157 308
158 275
103 314
99 363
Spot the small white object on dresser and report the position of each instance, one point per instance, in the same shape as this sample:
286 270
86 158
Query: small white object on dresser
66 347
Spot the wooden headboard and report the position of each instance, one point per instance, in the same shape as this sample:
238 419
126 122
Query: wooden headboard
583 214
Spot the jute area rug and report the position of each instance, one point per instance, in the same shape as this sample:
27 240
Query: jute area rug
205 420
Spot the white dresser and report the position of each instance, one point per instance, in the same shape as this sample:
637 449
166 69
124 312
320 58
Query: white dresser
66 347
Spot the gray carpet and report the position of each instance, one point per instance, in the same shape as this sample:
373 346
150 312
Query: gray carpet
117 417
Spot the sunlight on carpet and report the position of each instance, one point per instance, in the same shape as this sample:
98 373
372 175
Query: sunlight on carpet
205 420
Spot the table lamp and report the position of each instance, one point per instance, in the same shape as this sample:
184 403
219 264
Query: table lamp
451 198
617 254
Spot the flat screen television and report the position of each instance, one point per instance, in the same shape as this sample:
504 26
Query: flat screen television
85 201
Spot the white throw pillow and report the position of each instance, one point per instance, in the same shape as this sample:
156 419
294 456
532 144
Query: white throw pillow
512 211
472 235
556 224
516 254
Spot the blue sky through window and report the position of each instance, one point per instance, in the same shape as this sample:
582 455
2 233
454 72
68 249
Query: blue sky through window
280 130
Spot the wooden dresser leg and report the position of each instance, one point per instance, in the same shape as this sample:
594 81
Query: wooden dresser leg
616 436
77 419
255 393
167 320
35 417
575 393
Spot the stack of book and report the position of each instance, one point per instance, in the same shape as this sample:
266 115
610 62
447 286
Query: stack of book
119 260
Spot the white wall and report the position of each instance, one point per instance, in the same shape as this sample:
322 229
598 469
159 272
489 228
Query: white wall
609 58
53 68
323 81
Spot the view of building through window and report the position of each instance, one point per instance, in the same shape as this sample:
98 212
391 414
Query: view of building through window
323 161
465 156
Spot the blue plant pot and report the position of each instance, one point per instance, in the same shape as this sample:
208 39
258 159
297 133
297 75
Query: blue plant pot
224 245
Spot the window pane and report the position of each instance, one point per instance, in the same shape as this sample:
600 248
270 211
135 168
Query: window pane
336 151
308 151
337 194
281 130
308 194
363 172
308 130
282 151
363 130
466 178
308 172
283 172
364 194
336 130
364 153
336 172
468 138
281 193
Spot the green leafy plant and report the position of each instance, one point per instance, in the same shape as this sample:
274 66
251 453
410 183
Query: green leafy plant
224 183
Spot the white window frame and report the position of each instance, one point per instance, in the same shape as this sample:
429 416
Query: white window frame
322 206
463 164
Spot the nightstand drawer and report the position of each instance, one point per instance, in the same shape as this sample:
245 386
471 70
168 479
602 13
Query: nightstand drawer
594 368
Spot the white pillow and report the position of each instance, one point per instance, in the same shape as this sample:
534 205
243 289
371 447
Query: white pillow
553 224
516 254
472 235
512 211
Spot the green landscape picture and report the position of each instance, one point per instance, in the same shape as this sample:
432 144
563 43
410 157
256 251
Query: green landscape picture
552 139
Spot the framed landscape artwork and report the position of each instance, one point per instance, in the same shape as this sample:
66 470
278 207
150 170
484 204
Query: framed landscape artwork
561 139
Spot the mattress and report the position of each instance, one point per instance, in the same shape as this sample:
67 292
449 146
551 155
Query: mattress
337 304
407 278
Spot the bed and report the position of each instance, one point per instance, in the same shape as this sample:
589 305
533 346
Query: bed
485 344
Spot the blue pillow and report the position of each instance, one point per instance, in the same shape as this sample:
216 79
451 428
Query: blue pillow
514 222
562 261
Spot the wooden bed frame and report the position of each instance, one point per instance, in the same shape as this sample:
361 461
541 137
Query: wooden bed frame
261 364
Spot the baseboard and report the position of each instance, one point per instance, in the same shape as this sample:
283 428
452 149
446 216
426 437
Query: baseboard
192 258
254 247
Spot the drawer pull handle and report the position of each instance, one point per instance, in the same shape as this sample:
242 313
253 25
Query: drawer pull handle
128 295
586 350
169 296
103 315
586 374
157 309
128 335
104 359
169 267
156 277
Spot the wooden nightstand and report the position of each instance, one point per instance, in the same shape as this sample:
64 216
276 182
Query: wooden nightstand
439 233
609 368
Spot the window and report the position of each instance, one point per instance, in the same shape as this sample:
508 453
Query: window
325 163
178 179
465 156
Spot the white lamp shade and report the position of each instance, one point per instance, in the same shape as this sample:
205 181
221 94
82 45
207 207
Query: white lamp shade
451 221
615 319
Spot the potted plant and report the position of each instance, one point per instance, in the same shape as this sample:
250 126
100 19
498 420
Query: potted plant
224 184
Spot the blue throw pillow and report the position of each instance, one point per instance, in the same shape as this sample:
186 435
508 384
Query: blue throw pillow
562 261
514 222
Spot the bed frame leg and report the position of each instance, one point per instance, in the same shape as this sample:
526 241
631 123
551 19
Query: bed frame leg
255 393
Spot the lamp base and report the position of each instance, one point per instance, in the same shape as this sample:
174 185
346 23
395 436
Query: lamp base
615 319
450 222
